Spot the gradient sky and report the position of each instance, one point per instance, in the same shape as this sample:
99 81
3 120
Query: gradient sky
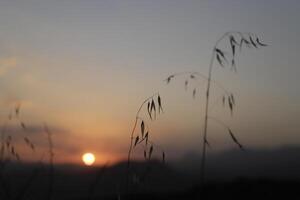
84 67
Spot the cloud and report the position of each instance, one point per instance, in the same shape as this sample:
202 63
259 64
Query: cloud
31 130
37 134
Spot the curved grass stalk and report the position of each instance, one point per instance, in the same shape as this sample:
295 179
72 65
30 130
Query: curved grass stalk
205 78
137 118
202 170
213 56
236 39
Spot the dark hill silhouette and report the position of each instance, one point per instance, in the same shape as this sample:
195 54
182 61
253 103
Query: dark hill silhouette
232 173
280 163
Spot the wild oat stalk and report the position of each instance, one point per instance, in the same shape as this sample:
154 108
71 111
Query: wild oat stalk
154 107
235 39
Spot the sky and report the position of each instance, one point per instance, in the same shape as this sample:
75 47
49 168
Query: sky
84 68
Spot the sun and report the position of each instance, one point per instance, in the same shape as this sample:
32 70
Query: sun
88 159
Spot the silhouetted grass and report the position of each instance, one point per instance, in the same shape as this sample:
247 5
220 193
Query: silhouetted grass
142 138
235 39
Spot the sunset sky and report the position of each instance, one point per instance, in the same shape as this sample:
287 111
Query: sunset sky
84 67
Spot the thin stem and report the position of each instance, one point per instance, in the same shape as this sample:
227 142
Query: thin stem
218 121
215 82
5 185
204 78
51 169
3 131
202 172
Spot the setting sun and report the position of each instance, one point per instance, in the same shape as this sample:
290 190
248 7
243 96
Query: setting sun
88 159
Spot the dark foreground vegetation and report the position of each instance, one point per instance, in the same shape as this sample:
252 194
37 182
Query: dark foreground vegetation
153 180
